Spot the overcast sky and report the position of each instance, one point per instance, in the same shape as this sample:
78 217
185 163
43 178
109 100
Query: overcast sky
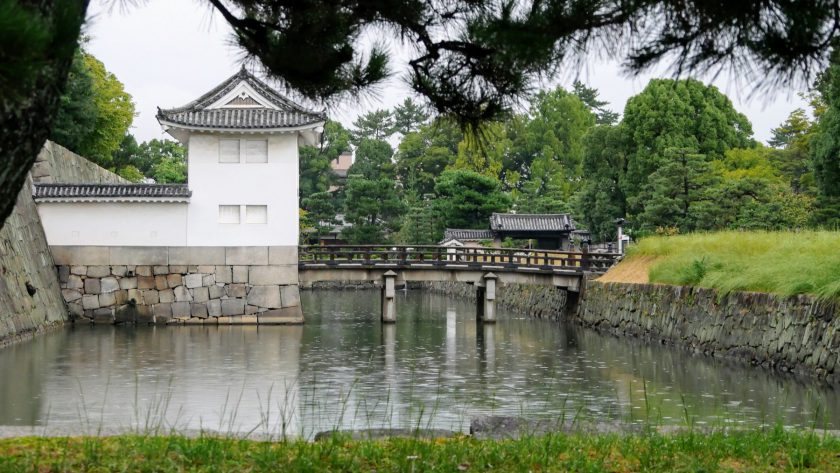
169 52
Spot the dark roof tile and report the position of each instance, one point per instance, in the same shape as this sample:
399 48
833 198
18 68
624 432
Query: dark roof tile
531 222
85 191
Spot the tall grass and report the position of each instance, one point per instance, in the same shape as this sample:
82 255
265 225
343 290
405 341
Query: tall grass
784 263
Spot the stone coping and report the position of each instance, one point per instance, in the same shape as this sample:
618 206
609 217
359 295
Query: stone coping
174 255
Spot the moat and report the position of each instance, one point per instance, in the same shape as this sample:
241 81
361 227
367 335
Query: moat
435 368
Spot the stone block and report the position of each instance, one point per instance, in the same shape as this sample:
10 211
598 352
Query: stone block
203 268
174 280
78 270
167 296
288 316
71 295
290 295
90 301
80 255
107 300
121 297
127 314
161 282
214 308
103 316
265 296
143 270
208 280
233 306
216 291
160 270
243 320
249 255
162 312
128 283
76 311
222 320
236 290
178 269
145 282
118 270
239 274
109 284
198 309
193 321
251 309
194 255
145 255
283 255
224 274
193 280
74 282
92 286
89 315
182 294
181 310
151 297
135 295
200 294
63 274
98 271
265 275
144 315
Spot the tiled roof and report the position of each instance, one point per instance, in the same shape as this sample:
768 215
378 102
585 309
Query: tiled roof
196 114
466 234
112 192
531 222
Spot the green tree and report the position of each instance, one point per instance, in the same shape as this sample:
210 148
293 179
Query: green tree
466 199
418 226
76 117
601 199
170 171
589 96
376 125
315 172
409 117
373 209
424 154
825 150
155 151
321 210
684 114
131 173
483 150
373 160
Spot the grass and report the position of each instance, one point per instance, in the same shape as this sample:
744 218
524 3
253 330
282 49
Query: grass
770 450
784 263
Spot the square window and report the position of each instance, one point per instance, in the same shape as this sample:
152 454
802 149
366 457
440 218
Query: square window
256 214
256 151
228 151
228 214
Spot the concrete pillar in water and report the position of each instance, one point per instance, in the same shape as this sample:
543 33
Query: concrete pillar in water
486 299
389 301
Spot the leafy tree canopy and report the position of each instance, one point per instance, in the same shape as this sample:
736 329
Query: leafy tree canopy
373 160
409 116
315 172
376 125
466 199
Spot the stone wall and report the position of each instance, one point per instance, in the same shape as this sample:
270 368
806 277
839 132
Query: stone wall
191 285
544 302
798 334
30 297
56 164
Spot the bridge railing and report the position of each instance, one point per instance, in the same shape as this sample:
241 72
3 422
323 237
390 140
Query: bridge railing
454 257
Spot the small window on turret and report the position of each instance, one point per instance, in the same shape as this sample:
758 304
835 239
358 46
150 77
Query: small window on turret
229 214
256 151
228 151
256 214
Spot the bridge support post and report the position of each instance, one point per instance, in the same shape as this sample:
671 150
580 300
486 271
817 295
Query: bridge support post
486 299
389 301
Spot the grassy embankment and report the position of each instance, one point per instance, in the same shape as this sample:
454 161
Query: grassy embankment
783 263
772 450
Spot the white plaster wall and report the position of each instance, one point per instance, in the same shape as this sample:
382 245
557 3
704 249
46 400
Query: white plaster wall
114 224
274 184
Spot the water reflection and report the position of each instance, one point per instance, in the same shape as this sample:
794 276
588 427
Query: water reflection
435 367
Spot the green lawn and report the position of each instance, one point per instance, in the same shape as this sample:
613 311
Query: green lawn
785 263
772 450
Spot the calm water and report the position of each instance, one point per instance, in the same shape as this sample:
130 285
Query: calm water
435 368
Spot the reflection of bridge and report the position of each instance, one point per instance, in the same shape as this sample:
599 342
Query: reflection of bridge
482 267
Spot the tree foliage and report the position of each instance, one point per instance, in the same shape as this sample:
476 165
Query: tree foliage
422 155
466 199
315 171
825 150
373 208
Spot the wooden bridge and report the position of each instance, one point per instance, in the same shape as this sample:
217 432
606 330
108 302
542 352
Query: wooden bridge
482 267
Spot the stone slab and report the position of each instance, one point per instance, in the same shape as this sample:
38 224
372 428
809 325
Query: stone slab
181 309
246 255
289 316
233 307
195 255
98 271
290 296
145 255
243 320
283 255
193 281
274 274
81 255
265 296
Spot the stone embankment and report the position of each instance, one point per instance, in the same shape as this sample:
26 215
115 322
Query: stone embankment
207 285
792 334
30 297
